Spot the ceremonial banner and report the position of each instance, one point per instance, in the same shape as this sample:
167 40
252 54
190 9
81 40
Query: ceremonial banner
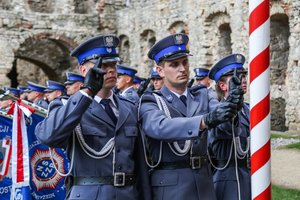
34 172
20 155
5 157
46 183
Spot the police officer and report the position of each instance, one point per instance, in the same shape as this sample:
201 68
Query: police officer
6 103
230 151
36 94
175 123
54 90
23 92
201 76
74 82
125 83
202 80
156 81
107 160
137 81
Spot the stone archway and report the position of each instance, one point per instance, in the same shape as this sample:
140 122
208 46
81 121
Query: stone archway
147 40
124 50
218 37
84 6
40 58
45 6
224 42
179 27
278 114
279 48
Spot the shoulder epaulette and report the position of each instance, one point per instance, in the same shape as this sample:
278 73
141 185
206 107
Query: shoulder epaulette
125 99
196 89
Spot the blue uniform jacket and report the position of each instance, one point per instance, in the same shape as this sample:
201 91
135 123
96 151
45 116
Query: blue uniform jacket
131 95
181 183
97 128
220 141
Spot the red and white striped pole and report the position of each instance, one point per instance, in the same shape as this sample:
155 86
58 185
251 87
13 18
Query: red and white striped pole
259 59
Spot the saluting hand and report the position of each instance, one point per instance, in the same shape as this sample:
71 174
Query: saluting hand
94 78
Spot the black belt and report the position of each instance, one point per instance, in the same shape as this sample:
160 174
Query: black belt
194 163
120 179
240 163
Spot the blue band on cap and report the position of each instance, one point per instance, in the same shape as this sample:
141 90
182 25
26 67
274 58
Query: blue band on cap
169 50
54 87
96 51
226 69
125 71
201 74
75 78
33 88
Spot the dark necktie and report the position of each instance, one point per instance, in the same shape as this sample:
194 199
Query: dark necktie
108 109
183 99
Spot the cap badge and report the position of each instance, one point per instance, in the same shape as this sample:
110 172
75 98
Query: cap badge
109 50
238 58
109 41
178 39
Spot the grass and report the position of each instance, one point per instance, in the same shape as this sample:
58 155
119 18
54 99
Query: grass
280 193
293 146
275 135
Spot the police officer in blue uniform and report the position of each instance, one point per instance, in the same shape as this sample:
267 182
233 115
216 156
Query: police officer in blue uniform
74 82
54 90
36 94
125 83
99 130
229 150
137 81
23 92
156 81
175 124
202 80
6 103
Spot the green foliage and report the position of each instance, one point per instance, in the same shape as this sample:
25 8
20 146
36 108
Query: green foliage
293 146
280 193
275 135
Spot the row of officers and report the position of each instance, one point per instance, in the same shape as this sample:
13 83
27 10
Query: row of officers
171 143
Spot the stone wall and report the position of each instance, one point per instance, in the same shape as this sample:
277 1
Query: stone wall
37 36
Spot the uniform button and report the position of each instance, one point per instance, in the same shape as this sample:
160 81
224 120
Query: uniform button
160 182
120 167
77 195
118 150
190 132
74 102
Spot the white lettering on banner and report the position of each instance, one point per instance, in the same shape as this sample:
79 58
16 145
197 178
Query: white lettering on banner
4 190
4 129
46 196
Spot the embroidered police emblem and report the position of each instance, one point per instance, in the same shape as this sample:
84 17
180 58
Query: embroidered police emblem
109 41
44 173
239 58
178 39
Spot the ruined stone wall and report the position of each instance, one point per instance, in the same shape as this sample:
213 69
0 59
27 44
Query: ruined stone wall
217 28
36 37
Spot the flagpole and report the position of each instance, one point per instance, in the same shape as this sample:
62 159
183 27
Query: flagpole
259 61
